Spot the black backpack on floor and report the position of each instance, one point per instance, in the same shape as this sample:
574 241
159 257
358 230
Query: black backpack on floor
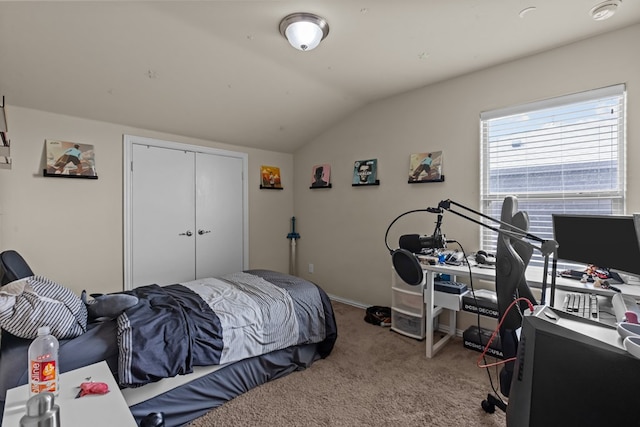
377 315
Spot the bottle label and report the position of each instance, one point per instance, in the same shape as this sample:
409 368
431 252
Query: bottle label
43 376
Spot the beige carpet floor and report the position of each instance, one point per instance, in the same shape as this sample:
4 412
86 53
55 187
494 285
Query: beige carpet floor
373 377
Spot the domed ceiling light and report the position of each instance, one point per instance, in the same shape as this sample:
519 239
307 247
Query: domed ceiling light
304 31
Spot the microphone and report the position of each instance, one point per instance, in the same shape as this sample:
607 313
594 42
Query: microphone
416 243
404 260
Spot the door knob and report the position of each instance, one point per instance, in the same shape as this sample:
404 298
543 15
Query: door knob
201 232
188 233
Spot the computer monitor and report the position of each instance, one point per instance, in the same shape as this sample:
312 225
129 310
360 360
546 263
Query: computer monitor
606 241
572 372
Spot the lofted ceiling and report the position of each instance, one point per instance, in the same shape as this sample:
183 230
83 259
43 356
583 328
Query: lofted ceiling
221 71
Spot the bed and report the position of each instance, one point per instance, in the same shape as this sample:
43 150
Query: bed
187 348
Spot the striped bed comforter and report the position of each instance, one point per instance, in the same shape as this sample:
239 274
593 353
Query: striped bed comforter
219 320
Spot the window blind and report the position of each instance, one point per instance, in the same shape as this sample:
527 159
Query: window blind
561 155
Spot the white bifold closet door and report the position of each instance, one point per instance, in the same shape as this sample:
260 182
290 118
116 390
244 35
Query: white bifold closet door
219 215
187 215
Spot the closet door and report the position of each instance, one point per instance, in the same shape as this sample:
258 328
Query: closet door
219 215
163 215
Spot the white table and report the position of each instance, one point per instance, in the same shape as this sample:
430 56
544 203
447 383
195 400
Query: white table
435 302
106 410
534 279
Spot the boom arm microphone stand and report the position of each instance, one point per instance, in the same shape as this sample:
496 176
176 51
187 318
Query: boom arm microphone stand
414 271
546 248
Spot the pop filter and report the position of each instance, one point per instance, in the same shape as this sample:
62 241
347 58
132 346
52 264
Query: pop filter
407 266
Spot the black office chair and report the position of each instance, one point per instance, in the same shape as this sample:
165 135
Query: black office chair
13 267
512 258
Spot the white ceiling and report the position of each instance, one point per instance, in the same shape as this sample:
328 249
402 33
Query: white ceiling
221 71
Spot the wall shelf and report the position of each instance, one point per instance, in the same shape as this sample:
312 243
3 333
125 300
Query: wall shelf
57 175
367 185
441 179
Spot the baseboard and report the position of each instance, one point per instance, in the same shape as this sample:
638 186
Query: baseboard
348 301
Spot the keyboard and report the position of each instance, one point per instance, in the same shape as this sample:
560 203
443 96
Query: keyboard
581 304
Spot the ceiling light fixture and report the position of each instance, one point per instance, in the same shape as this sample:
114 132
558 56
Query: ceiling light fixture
605 9
304 31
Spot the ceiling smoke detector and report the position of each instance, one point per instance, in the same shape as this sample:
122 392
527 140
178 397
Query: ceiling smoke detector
605 10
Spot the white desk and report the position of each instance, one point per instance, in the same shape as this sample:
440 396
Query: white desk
533 275
435 303
534 279
106 410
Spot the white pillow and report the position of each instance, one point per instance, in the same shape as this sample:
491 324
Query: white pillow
32 302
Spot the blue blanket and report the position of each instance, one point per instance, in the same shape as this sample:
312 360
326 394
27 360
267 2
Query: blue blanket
212 321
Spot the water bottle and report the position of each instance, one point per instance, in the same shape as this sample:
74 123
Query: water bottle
41 412
43 363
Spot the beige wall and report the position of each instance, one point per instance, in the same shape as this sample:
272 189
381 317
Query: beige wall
71 230
342 228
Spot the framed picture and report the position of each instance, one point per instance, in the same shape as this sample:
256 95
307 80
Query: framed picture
365 172
70 160
270 177
426 167
321 176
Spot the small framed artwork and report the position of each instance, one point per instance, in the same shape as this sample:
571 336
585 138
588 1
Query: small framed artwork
70 160
321 176
365 172
426 167
270 177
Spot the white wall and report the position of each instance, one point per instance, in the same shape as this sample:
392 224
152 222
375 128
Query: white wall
71 230
342 228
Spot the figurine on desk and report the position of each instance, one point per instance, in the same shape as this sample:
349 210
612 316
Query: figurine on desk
600 277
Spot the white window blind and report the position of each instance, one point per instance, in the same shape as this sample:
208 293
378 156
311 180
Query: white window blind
561 155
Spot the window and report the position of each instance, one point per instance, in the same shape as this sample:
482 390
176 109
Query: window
561 155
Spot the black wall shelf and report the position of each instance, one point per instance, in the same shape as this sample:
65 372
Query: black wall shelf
427 180
367 184
57 175
270 188
322 186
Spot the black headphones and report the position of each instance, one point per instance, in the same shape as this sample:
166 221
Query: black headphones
483 257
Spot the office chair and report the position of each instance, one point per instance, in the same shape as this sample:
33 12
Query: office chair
512 257
13 267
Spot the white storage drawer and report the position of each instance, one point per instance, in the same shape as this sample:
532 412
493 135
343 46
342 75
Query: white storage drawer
398 283
410 302
407 324
445 300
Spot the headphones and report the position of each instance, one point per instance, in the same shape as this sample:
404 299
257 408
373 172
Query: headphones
483 257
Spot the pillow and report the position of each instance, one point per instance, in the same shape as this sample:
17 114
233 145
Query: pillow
107 306
35 301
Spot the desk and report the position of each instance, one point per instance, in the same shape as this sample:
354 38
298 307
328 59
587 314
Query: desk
435 303
534 279
105 410
533 276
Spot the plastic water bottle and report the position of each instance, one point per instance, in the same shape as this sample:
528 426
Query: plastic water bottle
43 363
